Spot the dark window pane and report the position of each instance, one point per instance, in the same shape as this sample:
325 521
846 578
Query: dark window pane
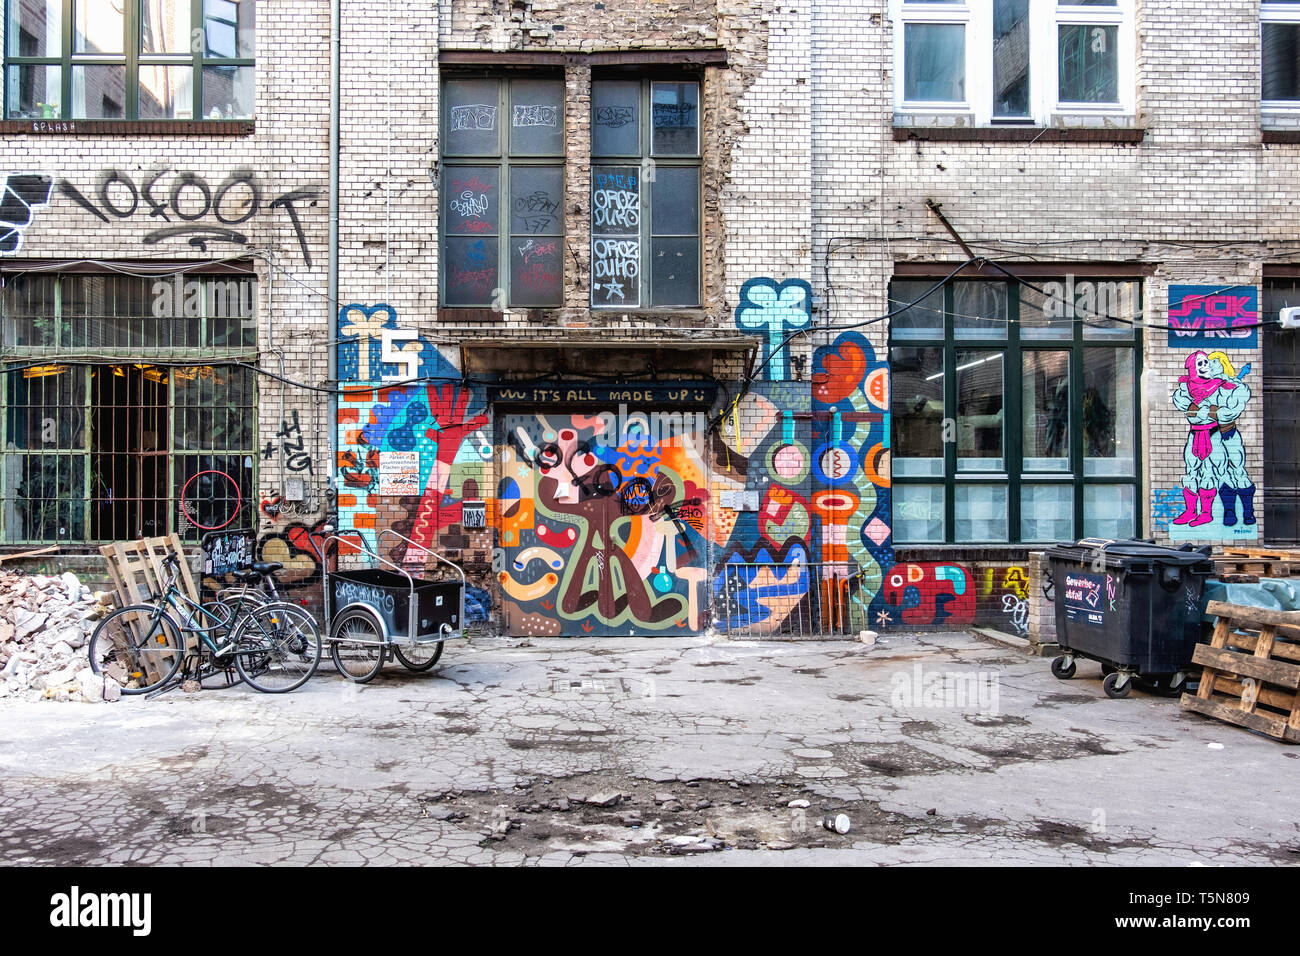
916 411
979 411
536 200
536 271
1089 63
616 272
1281 61
979 310
615 116
35 28
1109 425
98 92
676 272
616 201
675 201
1045 397
470 206
920 317
1011 58
46 408
470 108
471 270
675 112
934 62
537 117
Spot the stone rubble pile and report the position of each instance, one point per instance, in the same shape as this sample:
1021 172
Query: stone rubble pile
45 624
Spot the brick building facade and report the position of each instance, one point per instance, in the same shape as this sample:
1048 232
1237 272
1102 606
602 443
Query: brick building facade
600 309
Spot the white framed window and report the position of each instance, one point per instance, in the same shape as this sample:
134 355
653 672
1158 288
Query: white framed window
1279 41
993 62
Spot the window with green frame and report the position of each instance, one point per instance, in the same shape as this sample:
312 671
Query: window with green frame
502 208
1015 410
130 59
109 409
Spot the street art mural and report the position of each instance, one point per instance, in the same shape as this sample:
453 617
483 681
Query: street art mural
601 522
773 310
1218 495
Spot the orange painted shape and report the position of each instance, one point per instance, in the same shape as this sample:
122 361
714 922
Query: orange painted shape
349 415
363 520
347 501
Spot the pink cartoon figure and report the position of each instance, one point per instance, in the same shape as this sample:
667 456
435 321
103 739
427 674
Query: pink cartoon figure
1212 396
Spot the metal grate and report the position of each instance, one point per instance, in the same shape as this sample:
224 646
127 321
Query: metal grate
96 450
799 599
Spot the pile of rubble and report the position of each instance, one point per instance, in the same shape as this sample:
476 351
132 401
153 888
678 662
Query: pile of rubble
45 624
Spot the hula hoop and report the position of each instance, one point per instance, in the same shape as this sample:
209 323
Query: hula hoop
210 527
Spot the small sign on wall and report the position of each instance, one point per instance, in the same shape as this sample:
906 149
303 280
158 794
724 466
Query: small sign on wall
399 473
1213 317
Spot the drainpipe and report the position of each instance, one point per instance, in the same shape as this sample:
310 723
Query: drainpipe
332 298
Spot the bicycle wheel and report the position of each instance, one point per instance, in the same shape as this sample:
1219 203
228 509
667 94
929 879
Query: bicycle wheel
277 648
137 647
357 645
418 657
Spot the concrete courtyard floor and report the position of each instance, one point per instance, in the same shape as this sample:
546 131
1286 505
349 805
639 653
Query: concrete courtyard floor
694 749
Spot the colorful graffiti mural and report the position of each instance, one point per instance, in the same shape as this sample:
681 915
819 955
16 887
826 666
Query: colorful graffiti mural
592 535
774 310
1212 396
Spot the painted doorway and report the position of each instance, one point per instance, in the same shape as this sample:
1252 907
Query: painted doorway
601 519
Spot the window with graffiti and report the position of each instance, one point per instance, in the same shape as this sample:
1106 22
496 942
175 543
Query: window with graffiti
502 196
645 193
1014 414
121 411
130 59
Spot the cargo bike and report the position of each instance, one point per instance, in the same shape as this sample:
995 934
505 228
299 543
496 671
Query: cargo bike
383 609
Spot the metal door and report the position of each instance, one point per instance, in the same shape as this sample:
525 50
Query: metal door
601 522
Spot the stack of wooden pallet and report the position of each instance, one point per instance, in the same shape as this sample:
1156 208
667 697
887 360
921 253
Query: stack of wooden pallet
1252 670
137 572
1238 565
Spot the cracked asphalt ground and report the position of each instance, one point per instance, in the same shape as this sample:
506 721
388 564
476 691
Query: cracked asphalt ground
694 747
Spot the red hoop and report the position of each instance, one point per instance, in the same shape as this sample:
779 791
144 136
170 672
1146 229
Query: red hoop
239 499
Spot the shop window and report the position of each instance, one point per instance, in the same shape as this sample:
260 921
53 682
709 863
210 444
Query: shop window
130 59
118 421
1013 61
645 193
1014 411
503 192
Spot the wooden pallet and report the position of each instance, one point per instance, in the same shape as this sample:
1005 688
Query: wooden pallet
137 572
1257 562
1251 674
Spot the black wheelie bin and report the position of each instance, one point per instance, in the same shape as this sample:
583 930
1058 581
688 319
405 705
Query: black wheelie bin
1132 606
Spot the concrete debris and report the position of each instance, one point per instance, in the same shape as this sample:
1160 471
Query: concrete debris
604 799
45 624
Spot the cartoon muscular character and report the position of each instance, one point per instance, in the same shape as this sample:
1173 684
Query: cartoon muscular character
1212 396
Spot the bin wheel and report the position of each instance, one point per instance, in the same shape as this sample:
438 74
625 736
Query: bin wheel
418 657
1114 689
1171 685
356 645
1063 667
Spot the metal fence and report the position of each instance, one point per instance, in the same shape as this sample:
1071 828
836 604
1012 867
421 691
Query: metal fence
790 601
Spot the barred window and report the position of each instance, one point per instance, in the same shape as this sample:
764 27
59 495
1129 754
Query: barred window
121 413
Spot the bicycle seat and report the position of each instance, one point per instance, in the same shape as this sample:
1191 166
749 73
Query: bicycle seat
245 574
266 567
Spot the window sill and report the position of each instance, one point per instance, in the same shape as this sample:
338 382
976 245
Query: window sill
1019 134
83 127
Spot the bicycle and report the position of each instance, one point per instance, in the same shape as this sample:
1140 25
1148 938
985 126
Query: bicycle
273 646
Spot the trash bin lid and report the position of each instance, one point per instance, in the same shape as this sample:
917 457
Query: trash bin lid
1144 550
